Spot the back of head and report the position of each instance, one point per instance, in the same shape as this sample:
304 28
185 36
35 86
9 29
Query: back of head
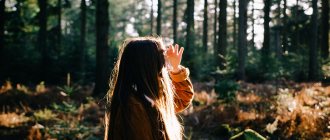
140 64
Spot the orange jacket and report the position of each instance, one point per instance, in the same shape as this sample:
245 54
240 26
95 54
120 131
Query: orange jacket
140 122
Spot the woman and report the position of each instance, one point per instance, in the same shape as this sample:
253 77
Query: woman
147 89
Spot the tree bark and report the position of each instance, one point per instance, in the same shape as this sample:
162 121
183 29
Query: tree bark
82 48
2 25
252 17
313 56
215 31
205 27
325 29
235 25
102 30
284 32
175 22
222 40
296 36
277 43
152 18
159 17
242 42
190 29
42 39
59 31
277 32
266 43
265 50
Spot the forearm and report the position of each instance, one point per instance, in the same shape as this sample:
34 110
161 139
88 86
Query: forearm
183 88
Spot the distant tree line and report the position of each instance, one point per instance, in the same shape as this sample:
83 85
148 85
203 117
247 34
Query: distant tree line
42 40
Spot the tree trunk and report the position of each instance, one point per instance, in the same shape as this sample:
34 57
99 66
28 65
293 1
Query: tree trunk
102 30
242 42
2 33
252 17
190 30
296 42
313 65
284 33
2 25
159 17
235 25
215 31
277 43
325 29
205 28
152 18
59 19
265 50
82 48
222 40
42 39
175 22
266 43
278 11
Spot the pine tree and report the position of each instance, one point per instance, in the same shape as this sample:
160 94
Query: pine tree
242 42
102 30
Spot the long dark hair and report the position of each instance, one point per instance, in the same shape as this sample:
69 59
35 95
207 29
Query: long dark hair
140 72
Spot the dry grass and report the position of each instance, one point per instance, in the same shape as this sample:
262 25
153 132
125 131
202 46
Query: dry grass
13 119
286 111
289 111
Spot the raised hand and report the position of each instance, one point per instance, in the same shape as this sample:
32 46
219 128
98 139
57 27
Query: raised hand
173 57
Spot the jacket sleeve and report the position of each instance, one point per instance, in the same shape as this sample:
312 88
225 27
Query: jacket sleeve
183 88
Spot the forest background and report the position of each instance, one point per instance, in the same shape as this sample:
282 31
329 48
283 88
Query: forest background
64 51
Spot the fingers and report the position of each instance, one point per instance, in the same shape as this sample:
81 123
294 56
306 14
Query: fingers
176 49
181 51
169 49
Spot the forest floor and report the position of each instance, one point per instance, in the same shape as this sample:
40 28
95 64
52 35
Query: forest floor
282 110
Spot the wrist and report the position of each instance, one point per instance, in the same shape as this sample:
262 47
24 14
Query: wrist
182 75
176 70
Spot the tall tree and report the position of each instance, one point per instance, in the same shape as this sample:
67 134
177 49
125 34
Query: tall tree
42 38
313 56
205 27
325 29
222 40
102 30
159 17
296 20
277 31
266 43
82 48
234 24
215 31
284 32
175 21
242 42
190 29
2 30
152 18
252 18
2 24
265 50
59 19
